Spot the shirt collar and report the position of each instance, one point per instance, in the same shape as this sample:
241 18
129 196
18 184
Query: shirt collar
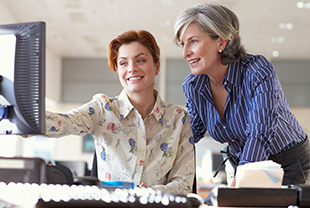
125 107
159 109
233 74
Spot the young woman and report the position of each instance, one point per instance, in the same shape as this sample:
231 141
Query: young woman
237 97
138 137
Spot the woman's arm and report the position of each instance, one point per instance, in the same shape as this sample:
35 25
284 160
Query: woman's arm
262 117
77 121
198 128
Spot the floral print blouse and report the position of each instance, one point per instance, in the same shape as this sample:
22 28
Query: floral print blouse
157 150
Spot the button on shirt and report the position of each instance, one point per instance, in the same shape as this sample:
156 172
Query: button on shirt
157 150
257 121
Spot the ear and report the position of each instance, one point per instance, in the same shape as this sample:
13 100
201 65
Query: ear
222 43
157 66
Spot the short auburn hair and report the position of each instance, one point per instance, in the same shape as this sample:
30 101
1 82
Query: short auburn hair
142 36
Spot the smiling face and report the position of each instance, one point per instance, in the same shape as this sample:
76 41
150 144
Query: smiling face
136 68
200 51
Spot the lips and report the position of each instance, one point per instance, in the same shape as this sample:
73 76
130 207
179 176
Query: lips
134 78
193 61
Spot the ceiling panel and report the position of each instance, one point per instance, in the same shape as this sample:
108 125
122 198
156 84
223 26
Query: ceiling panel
83 28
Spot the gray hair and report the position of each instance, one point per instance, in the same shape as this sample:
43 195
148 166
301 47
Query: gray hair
216 21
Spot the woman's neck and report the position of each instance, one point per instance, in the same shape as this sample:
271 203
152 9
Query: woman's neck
218 76
143 102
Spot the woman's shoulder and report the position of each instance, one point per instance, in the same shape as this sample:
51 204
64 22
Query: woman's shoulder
174 109
108 102
257 68
258 65
104 103
256 62
103 97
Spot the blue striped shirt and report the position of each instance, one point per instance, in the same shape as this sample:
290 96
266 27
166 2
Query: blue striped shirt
257 121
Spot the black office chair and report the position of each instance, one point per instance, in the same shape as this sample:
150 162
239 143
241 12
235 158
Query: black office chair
195 179
58 174
79 168
94 171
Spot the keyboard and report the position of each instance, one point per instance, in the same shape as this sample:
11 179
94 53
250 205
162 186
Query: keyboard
51 195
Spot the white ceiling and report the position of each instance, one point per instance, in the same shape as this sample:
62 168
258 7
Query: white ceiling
83 28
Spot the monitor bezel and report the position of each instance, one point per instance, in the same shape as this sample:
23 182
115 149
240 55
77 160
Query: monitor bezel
26 110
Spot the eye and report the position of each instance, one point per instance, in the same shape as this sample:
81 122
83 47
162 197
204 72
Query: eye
193 41
140 60
123 63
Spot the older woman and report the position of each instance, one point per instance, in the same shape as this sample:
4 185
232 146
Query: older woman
236 96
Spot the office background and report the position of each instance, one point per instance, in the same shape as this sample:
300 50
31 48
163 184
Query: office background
78 32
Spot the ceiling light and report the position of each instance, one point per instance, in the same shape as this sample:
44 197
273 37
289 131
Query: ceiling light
303 5
275 53
289 26
277 39
286 26
300 5
165 23
168 2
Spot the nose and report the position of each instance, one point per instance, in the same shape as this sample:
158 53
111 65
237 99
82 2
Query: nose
132 67
186 51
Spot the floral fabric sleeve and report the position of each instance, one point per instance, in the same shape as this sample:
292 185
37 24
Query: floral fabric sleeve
77 122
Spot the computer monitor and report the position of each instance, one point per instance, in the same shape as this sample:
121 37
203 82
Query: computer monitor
22 78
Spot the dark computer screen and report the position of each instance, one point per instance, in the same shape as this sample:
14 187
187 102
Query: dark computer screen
22 78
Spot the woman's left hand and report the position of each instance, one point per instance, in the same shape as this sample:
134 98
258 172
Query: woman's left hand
233 183
143 185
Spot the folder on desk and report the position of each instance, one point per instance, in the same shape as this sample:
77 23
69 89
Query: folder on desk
117 184
262 174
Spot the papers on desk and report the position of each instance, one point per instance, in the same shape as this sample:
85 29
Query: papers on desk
264 174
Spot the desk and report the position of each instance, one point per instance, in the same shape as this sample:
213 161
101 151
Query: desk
255 197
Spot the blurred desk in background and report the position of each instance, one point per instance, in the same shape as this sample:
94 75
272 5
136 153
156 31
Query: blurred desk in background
203 188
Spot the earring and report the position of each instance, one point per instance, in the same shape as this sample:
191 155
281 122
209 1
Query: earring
220 51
